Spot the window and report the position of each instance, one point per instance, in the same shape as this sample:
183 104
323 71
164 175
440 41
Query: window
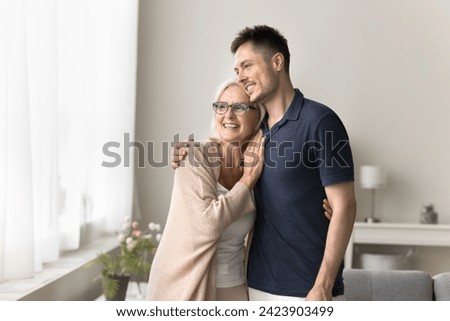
67 87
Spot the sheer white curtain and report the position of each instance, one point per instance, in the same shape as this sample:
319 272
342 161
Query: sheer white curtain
67 87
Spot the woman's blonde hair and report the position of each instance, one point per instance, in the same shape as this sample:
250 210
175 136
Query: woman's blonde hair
218 93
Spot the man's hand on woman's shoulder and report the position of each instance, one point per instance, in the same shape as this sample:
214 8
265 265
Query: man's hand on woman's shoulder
180 150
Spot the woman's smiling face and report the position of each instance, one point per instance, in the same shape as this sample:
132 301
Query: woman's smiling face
232 127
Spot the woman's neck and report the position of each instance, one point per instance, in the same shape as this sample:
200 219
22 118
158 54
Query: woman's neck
231 154
230 170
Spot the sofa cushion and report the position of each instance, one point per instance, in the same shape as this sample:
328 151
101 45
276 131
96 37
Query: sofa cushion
441 284
383 285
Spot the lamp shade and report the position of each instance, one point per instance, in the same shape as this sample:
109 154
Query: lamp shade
373 177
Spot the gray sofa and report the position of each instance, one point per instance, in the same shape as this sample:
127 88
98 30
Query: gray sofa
395 285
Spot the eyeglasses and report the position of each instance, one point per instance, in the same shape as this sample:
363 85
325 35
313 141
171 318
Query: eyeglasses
221 107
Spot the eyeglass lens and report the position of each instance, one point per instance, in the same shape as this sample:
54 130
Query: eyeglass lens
237 108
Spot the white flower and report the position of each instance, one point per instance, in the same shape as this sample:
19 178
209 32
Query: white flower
129 240
158 237
121 237
152 226
131 245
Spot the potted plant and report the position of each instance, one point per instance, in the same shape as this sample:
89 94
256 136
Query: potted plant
135 248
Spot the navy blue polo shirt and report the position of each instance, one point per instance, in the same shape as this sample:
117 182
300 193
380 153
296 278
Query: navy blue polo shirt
305 151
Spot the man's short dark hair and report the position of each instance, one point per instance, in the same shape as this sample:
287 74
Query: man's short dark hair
264 38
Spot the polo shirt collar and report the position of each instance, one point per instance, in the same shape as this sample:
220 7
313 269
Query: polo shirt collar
293 111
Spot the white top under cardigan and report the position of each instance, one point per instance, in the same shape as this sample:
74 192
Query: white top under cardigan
230 249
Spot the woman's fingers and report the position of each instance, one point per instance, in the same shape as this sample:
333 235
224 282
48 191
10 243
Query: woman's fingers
328 210
254 153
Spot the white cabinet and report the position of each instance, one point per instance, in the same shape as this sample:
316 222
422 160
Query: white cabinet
397 234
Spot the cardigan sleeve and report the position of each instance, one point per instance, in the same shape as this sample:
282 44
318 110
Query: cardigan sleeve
195 186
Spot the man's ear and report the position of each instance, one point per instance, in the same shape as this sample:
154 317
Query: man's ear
278 61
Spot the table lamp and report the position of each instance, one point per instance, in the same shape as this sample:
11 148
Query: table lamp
373 178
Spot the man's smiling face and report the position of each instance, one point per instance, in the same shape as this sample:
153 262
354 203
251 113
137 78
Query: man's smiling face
254 72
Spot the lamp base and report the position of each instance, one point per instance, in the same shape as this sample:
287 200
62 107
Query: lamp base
371 220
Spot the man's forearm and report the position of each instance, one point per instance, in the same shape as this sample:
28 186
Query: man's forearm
339 232
343 203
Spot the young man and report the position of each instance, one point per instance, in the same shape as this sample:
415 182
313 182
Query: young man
295 252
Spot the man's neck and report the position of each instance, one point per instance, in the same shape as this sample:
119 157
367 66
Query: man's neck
277 106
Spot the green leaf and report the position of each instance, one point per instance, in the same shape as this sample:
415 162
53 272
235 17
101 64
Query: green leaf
110 287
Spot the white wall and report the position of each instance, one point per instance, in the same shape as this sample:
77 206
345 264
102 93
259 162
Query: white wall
383 66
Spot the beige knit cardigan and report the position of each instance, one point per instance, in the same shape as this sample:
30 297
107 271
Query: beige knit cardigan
184 266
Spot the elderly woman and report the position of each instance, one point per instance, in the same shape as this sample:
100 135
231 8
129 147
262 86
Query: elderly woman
201 253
